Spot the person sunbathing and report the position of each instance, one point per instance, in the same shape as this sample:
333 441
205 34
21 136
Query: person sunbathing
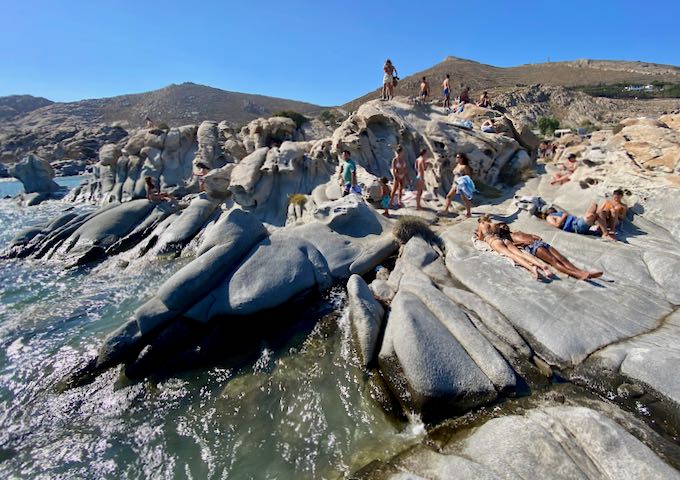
581 225
566 171
614 211
488 232
535 245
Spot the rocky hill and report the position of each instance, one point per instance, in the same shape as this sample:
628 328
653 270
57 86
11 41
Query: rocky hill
15 105
534 90
174 105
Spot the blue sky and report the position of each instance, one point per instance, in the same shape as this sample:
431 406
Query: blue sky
317 51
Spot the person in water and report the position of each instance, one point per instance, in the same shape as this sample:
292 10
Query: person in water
421 165
462 183
581 225
424 90
489 232
614 211
389 72
566 171
348 174
535 245
446 86
385 195
400 175
152 192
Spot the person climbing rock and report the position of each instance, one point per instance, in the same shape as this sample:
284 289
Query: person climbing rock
462 183
348 174
390 72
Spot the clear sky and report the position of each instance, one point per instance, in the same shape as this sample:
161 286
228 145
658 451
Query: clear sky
324 52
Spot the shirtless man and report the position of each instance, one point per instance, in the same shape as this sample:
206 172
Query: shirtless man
614 211
550 255
421 165
400 175
446 85
580 225
424 90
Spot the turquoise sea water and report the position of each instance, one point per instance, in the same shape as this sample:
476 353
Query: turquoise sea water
298 411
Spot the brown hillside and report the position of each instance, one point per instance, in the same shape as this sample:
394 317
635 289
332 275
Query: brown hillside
479 76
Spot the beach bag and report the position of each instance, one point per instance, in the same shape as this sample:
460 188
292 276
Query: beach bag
395 81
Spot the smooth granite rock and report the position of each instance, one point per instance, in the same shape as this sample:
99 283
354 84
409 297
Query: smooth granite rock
366 318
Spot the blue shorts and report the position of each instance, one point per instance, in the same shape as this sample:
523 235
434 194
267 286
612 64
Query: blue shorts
385 201
580 226
446 92
533 248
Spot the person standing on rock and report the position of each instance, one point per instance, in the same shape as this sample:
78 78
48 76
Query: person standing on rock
400 175
348 174
421 165
446 85
424 90
388 80
462 183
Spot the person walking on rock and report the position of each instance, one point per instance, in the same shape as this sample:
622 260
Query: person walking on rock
421 165
446 85
390 72
400 174
348 174
462 183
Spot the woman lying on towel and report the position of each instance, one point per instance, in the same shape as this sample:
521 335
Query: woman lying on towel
546 252
492 234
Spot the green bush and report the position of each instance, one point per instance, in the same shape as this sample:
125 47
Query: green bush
410 226
298 118
548 125
163 126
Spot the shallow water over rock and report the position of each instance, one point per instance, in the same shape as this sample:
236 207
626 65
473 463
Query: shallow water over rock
299 411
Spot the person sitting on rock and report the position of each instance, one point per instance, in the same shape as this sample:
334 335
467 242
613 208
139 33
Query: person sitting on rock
385 195
421 165
388 80
614 211
400 175
149 124
462 183
424 90
446 86
152 193
488 126
484 100
348 174
566 171
463 99
488 232
535 246
581 225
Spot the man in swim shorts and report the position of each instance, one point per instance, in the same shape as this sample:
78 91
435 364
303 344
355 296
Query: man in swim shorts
446 85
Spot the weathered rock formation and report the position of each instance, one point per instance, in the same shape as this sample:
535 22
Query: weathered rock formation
37 176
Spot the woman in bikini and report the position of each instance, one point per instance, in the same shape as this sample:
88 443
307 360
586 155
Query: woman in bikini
534 245
488 232
421 165
566 171
400 175
461 170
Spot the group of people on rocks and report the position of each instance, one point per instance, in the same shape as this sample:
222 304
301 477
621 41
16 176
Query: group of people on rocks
390 80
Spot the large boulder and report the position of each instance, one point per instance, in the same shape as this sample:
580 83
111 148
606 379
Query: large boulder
561 442
366 318
36 174
267 132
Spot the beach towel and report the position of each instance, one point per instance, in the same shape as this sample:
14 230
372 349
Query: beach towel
466 186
